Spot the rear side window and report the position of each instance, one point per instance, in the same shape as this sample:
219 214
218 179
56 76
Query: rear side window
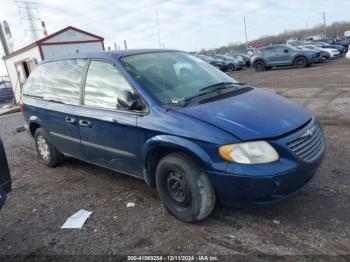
57 81
104 82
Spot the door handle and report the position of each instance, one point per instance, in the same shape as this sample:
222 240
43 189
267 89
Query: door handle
84 123
70 120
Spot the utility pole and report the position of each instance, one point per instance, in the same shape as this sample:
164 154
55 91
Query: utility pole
3 41
337 30
27 12
324 24
245 32
158 29
125 46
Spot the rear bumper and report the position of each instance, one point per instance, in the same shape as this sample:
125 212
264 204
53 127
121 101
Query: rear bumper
232 189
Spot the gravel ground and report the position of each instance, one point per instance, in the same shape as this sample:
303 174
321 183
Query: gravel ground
313 222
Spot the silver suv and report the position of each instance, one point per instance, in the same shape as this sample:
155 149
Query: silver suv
283 55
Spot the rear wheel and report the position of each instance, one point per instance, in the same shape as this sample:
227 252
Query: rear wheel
259 66
231 68
47 152
184 187
300 62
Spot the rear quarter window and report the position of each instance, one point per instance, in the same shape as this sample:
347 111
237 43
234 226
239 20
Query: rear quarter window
57 81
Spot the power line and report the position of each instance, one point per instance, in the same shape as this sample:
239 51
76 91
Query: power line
26 11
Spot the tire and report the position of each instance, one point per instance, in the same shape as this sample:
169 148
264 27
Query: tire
259 66
2 197
231 67
47 152
184 188
300 62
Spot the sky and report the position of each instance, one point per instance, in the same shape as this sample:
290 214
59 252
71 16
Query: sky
185 25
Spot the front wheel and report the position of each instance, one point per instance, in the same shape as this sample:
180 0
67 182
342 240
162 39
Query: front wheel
231 68
259 66
300 62
184 188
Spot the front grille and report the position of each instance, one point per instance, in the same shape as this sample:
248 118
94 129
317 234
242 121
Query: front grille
310 145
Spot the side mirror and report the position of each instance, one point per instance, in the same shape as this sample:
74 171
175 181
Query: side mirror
127 99
286 50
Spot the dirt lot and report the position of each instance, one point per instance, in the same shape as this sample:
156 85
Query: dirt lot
313 222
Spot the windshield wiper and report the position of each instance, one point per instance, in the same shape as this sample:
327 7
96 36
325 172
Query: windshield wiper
210 89
220 85
205 90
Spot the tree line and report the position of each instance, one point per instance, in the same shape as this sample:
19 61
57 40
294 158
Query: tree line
335 30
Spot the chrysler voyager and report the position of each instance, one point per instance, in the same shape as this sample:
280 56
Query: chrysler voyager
175 121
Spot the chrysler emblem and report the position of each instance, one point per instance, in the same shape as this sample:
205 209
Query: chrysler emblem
309 132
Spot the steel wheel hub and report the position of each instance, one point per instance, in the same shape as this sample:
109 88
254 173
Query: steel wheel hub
43 148
179 190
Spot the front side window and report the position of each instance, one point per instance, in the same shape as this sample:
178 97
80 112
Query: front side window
56 81
104 83
270 49
173 77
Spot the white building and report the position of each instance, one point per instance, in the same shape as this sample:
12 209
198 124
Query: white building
69 40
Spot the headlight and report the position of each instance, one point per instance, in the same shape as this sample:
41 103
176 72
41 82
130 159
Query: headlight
257 152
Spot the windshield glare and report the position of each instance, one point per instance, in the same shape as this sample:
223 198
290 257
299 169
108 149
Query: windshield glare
172 77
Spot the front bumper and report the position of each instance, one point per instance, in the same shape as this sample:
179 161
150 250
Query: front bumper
315 59
234 189
268 183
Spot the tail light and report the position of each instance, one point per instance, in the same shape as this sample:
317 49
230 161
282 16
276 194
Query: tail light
21 105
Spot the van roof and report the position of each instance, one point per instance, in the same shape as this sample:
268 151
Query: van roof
109 54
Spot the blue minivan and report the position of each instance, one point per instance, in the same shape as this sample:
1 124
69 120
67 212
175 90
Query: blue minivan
175 121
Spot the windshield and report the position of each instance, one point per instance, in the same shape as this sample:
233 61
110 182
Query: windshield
172 77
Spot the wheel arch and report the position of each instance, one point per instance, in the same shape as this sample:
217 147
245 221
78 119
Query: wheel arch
157 147
34 124
259 60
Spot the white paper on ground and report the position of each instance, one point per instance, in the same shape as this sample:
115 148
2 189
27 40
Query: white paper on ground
130 204
77 220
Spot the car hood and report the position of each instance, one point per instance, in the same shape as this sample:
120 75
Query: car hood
252 115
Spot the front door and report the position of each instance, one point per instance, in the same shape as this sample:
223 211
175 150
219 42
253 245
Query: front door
108 131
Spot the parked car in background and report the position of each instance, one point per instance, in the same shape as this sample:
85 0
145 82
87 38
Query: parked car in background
344 42
322 55
218 63
5 178
251 51
241 57
6 92
246 59
340 48
283 55
331 52
232 64
196 134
